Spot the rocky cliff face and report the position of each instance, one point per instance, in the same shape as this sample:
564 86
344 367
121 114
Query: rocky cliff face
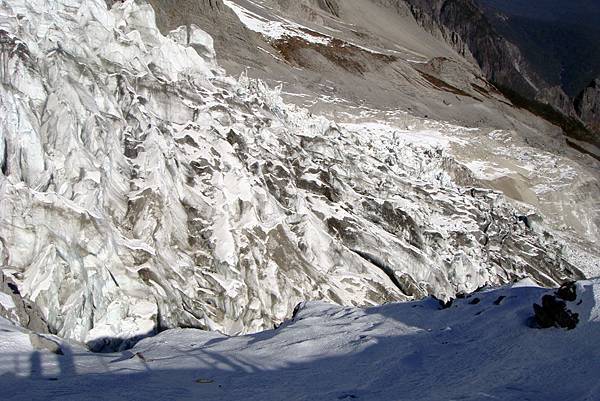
144 189
558 38
462 24
557 97
587 105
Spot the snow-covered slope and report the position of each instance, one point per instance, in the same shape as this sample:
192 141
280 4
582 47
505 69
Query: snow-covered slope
142 189
480 348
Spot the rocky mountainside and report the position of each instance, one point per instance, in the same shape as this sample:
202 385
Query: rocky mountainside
559 38
587 104
462 24
396 30
336 63
561 42
522 53
143 188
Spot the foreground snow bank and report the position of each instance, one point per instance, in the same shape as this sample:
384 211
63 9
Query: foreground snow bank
481 347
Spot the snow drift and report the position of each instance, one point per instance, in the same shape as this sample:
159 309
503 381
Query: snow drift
482 347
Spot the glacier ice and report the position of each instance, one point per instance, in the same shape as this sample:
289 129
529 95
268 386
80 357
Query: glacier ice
144 189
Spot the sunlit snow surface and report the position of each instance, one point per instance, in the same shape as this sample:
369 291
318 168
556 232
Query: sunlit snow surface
481 348
275 29
143 189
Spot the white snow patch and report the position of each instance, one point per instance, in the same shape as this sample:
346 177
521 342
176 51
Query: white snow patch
275 29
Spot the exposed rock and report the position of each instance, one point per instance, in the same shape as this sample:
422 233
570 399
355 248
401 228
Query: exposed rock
587 105
554 313
462 24
445 304
25 312
170 16
558 38
499 300
567 292
40 342
556 97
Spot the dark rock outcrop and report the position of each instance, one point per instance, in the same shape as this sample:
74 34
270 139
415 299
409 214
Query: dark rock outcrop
587 105
466 27
558 38
25 312
330 6
556 97
554 312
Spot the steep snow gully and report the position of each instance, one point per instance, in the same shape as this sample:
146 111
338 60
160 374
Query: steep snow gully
143 189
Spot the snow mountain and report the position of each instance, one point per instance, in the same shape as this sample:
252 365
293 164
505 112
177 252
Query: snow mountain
144 189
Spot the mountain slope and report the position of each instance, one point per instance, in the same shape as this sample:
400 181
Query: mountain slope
559 38
462 24
522 52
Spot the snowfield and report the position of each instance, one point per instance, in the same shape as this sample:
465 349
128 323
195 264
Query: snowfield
480 348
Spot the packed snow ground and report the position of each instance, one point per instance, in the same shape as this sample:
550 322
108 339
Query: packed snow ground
481 348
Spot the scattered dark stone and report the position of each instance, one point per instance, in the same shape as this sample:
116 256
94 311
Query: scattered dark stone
296 310
474 301
554 313
479 289
479 313
567 291
446 304
13 288
524 219
347 397
499 300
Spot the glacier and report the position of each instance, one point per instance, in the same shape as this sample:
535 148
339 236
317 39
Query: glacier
143 189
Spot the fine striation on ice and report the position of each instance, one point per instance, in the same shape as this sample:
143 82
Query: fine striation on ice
142 189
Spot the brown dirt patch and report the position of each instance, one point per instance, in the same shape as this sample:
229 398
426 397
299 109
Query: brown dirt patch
345 55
